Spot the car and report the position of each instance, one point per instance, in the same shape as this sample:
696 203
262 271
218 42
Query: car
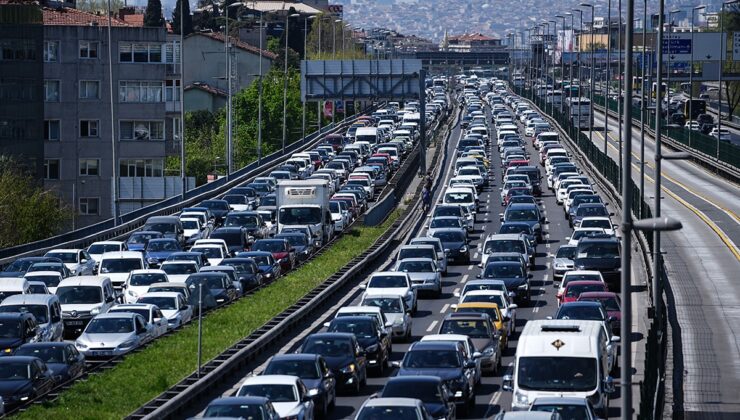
601 254
287 394
509 242
17 328
78 261
430 390
445 360
527 415
173 307
500 298
50 278
213 253
156 321
62 358
395 310
46 311
600 222
563 261
235 237
315 374
580 233
138 282
479 327
97 249
57 266
252 221
588 210
526 213
393 408
513 275
394 283
179 288
157 250
20 266
23 378
280 249
300 243
424 274
455 244
611 303
246 270
370 335
722 134
268 267
38 287
576 275
255 408
197 257
500 322
442 222
574 288
178 271
566 407
454 210
218 285
218 208
343 355
109 335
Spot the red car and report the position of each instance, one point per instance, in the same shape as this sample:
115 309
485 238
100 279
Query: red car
280 250
574 289
336 141
518 162
516 191
611 303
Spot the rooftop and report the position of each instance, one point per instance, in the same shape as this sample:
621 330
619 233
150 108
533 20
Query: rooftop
63 16
218 36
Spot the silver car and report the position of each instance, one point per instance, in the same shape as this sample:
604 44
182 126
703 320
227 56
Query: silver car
113 334
395 310
424 274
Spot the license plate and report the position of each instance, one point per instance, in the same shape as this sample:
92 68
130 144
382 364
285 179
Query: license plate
101 353
74 322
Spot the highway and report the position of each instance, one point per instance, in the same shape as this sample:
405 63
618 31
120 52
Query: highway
490 398
702 262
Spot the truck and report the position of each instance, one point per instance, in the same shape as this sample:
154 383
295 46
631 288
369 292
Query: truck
305 203
579 112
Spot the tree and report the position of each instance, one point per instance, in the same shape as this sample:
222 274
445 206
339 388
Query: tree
153 14
327 28
731 89
187 18
277 46
27 212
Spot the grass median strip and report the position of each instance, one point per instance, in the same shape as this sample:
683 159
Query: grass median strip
142 376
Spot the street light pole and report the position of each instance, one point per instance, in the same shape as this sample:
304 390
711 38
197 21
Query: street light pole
229 138
657 283
608 68
259 99
305 57
591 84
643 107
552 97
570 58
182 100
691 73
114 148
580 74
562 64
285 81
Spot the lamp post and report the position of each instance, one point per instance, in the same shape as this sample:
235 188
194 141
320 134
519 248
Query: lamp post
182 101
334 42
658 144
580 75
570 73
305 57
722 52
285 81
643 107
229 122
259 99
591 84
691 72
608 67
114 146
562 64
552 97
670 57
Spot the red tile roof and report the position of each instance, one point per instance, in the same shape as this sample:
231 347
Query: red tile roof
134 20
471 37
64 16
218 36
207 88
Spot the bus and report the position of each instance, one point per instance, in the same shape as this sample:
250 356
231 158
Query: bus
663 90
570 91
692 108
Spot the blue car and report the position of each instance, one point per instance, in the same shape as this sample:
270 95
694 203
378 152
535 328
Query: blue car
268 266
158 250
138 240
61 357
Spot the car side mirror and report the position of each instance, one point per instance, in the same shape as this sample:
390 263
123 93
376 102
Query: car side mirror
501 217
396 363
477 355
513 306
470 364
326 324
616 339
109 299
609 385
83 261
507 318
508 383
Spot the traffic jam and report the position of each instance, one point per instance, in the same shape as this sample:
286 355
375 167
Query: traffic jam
502 302
65 311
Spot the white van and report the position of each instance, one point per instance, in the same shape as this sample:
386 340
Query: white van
13 286
560 358
82 298
367 134
118 265
45 308
460 197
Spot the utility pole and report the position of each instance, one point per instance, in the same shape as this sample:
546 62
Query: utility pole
229 139
182 100
285 81
608 68
657 283
259 100
591 84
691 72
580 75
643 106
562 64
114 151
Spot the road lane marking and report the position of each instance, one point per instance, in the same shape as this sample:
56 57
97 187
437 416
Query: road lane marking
444 308
494 401
475 256
432 325
457 290
464 279
470 267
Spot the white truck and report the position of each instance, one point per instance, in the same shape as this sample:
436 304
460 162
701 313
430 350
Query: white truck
579 111
305 203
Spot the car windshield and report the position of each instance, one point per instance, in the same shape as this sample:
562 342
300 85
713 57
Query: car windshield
49 281
567 252
444 222
159 246
236 199
164 303
160 227
610 303
15 371
103 248
145 279
416 267
247 221
328 347
144 312
70 295
359 329
471 328
209 252
177 269
566 411
269 246
459 197
242 411
49 354
37 289
211 282
66 257
304 369
39 311
610 250
231 238
514 215
585 276
416 253
488 298
561 373
215 205
584 233
261 259
387 305
387 282
575 290
580 312
450 236
46 267
140 238
504 246
295 240
588 211
299 215
446 211
274 392
426 391
10 328
189 224
389 412
503 270
432 359
120 265
596 223
515 228
492 312
19 266
110 326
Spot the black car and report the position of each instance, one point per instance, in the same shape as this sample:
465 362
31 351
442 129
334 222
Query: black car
208 301
235 238
19 267
16 328
455 243
198 257
513 275
219 285
59 267
582 199
588 210
62 358
371 336
23 378
600 254
343 355
431 390
219 209
445 360
251 221
313 371
247 272
302 245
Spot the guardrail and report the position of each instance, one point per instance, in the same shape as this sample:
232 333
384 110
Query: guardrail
106 230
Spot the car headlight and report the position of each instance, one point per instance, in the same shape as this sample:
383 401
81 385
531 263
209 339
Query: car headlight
463 248
95 311
559 265
371 349
488 351
313 392
132 293
349 368
80 345
521 398
127 344
524 286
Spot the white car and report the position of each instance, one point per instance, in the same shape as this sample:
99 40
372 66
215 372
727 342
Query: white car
213 253
722 133
151 313
78 261
498 297
287 394
393 283
692 125
110 335
97 249
392 408
138 283
178 271
395 310
577 275
50 278
567 185
173 305
190 226
599 222
580 232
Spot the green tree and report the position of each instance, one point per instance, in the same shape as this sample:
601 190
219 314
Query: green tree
27 212
277 46
326 28
731 89
153 14
187 18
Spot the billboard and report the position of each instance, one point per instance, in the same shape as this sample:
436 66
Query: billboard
564 44
704 47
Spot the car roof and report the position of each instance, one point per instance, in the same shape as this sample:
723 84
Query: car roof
32 274
583 283
83 281
239 400
432 345
411 379
518 206
295 356
504 236
581 303
125 254
271 379
391 402
107 315
162 294
29 299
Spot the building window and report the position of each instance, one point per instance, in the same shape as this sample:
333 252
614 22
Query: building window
52 130
51 90
51 169
90 206
140 91
89 89
89 128
89 167
51 51
172 90
141 168
89 49
176 129
17 50
139 53
172 52
142 130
